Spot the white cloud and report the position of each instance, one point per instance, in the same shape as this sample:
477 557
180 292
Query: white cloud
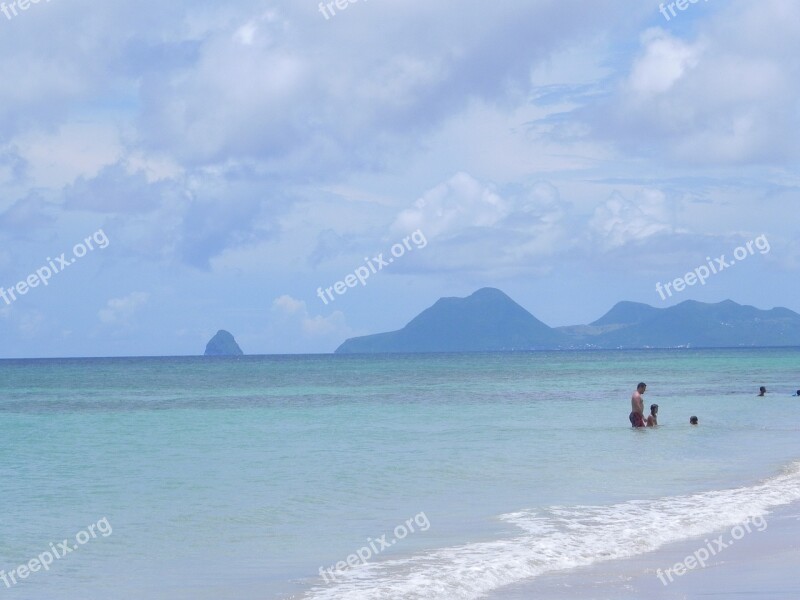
120 311
295 314
450 207
620 221
289 305
56 158
719 94
666 59
471 226
325 326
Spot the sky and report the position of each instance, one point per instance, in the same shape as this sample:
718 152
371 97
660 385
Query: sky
299 173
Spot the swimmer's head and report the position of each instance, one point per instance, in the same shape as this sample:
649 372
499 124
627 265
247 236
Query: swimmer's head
693 420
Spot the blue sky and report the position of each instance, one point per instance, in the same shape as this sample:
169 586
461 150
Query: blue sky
240 156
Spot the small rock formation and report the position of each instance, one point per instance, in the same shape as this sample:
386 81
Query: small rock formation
223 344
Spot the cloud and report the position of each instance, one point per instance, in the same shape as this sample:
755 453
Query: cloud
472 226
330 245
13 168
116 190
188 219
26 216
235 217
120 311
294 313
240 106
288 305
460 203
293 92
722 94
325 326
620 221
665 61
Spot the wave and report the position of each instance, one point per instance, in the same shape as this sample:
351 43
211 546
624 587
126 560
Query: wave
559 538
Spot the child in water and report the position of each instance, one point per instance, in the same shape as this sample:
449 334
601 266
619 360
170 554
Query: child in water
652 418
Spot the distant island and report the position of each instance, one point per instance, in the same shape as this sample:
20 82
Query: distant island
223 344
490 321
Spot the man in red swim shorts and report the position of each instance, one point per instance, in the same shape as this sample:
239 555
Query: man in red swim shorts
637 406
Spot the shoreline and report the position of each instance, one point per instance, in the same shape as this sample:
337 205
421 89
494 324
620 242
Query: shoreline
762 564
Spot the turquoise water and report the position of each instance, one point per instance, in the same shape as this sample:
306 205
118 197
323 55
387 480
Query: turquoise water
240 478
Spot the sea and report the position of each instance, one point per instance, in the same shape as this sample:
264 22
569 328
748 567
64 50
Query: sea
419 476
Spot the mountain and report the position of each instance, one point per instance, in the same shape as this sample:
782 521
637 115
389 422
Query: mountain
725 324
626 313
489 321
622 315
223 344
486 321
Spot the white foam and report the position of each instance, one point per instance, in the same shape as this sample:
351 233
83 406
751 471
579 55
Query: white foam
559 538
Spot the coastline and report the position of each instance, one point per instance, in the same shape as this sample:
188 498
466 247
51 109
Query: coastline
762 564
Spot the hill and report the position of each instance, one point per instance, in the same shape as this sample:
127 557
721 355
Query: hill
490 321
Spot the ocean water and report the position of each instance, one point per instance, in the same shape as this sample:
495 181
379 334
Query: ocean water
242 478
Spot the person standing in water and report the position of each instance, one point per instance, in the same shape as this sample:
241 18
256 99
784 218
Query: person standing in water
652 418
762 391
637 406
